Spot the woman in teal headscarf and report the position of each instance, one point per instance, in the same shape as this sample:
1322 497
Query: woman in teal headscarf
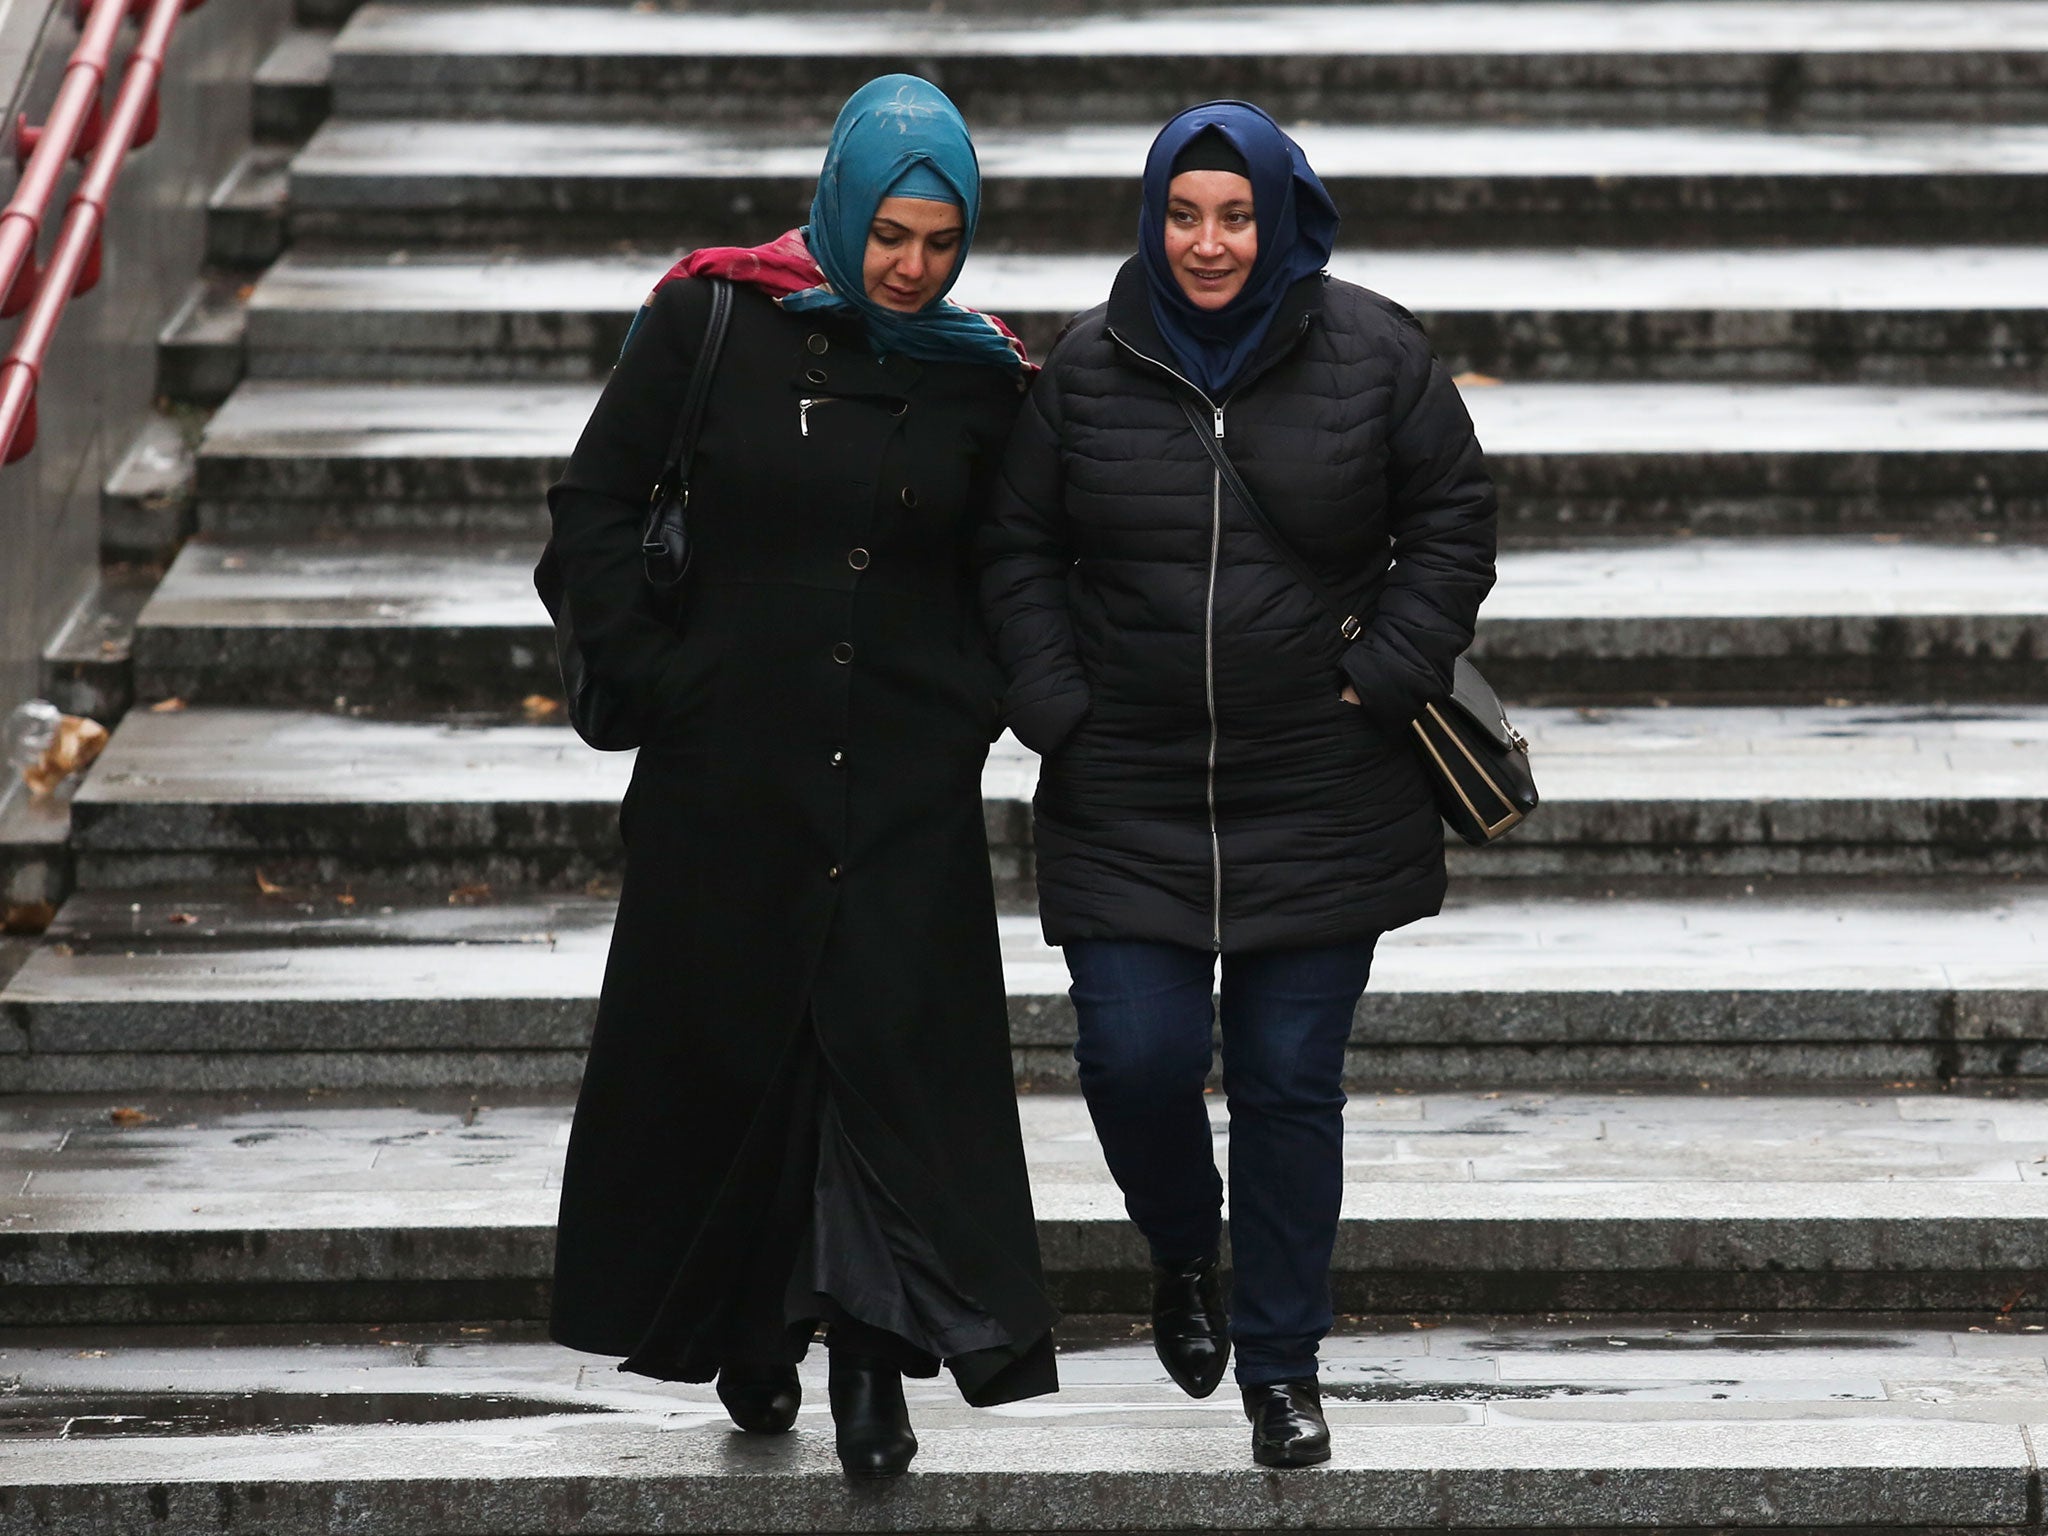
799 1106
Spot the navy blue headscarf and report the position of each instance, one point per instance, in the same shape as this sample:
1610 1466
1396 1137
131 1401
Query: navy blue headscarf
1297 228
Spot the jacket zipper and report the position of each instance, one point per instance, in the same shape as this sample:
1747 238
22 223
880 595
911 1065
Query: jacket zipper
1209 688
1208 638
803 411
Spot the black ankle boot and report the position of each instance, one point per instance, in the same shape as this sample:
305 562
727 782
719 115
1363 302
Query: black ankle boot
1189 1327
762 1399
1288 1429
868 1413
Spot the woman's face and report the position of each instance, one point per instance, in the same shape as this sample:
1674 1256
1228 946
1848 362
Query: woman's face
913 245
1211 237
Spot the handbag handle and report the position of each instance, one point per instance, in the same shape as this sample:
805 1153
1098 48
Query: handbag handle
1349 624
674 481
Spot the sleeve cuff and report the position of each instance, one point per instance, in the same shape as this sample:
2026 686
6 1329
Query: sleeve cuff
1044 723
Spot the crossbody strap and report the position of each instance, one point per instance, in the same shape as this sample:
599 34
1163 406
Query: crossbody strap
1348 624
675 470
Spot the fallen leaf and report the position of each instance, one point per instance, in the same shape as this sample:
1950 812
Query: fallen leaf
1475 381
2019 1295
27 917
266 887
181 917
167 706
71 751
539 706
346 898
469 895
1887 538
129 1115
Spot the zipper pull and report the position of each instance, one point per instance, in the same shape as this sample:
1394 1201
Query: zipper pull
1219 420
803 416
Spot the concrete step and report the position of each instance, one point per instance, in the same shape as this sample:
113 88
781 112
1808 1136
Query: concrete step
386 182
146 506
288 457
1685 60
1594 1426
1940 314
407 623
88 668
1517 984
291 86
199 352
338 1210
245 225
411 623
205 794
1599 1426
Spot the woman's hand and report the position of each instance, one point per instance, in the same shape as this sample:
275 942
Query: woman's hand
1349 695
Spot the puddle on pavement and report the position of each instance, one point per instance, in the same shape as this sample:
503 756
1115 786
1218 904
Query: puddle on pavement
1675 1343
103 1415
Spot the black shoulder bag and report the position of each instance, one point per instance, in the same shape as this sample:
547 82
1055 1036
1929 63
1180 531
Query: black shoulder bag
599 715
1478 764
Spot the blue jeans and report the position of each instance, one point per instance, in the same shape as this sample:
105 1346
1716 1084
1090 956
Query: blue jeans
1146 1017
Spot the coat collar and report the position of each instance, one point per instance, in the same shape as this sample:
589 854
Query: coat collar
1129 320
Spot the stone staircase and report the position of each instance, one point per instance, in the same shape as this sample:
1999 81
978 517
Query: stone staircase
1745 1032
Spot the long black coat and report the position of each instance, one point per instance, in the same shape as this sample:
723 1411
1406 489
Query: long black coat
806 917
1203 782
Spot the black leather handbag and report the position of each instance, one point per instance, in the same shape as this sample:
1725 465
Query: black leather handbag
1478 764
599 715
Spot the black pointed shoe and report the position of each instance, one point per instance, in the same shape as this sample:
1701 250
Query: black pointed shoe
762 1399
1190 1329
1288 1429
872 1423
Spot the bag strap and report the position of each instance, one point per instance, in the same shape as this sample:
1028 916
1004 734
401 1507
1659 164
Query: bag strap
675 470
1348 624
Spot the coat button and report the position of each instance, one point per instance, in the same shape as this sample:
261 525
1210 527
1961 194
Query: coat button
832 873
857 558
838 759
817 344
842 653
814 375
909 497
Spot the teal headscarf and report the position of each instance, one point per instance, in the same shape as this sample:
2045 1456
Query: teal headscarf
898 136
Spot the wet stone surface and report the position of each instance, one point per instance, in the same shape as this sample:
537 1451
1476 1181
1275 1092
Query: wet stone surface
1630 1423
185 1208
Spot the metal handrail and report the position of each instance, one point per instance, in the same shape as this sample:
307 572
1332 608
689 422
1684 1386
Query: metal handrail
74 126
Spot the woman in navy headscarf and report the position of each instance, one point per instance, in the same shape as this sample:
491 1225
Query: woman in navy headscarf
799 1105
1228 770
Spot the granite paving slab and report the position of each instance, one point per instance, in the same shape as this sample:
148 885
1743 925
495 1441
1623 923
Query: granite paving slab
195 794
418 623
1960 314
284 456
353 1208
1576 62
1462 1425
1514 984
389 181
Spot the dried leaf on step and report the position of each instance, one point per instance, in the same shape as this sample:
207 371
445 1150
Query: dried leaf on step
266 886
129 1115
166 706
469 895
71 751
539 706
27 917
1475 381
181 917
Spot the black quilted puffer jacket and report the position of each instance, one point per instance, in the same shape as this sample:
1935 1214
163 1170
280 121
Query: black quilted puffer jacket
1204 783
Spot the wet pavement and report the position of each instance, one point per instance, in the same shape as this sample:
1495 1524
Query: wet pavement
1630 1422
